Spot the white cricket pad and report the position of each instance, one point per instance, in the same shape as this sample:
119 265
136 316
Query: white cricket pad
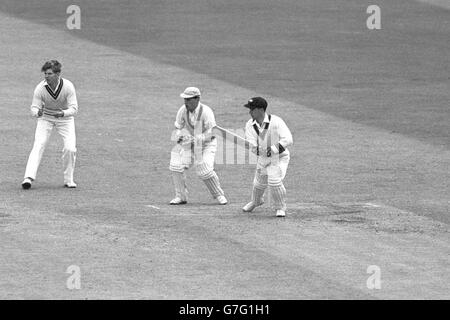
179 182
213 185
259 187
278 194
204 170
260 180
180 158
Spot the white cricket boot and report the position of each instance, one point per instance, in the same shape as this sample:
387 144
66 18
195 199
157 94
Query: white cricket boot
26 183
281 213
177 201
71 185
222 200
249 207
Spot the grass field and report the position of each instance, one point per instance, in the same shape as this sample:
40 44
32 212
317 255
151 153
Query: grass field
368 181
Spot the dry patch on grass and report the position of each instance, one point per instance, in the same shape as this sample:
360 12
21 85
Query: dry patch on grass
375 217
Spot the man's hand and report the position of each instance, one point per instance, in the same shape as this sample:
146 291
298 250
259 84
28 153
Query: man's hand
199 139
36 111
186 139
259 151
54 113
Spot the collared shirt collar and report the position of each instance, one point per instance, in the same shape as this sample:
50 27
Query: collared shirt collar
266 120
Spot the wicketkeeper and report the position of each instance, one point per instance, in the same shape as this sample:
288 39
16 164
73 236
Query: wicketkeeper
195 146
270 136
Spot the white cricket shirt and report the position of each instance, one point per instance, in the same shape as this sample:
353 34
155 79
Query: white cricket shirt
202 115
62 98
273 133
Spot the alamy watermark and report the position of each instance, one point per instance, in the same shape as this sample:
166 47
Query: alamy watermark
74 280
374 280
231 147
74 20
373 22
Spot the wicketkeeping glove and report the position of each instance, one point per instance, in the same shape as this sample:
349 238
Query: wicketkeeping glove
54 113
187 139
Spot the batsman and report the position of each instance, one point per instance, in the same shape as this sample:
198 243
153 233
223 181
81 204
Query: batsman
195 146
270 137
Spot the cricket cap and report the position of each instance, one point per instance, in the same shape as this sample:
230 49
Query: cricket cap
256 102
190 92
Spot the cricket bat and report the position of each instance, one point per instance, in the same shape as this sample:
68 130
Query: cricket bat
229 135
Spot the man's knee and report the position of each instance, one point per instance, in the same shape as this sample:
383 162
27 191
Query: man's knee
176 168
275 176
177 163
180 158
203 170
274 180
260 181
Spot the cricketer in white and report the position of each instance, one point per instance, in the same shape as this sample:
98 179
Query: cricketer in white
270 136
195 146
54 105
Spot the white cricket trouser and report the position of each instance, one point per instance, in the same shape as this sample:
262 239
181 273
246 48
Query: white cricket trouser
274 168
44 127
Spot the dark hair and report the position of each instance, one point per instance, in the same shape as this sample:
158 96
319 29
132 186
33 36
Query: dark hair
52 64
